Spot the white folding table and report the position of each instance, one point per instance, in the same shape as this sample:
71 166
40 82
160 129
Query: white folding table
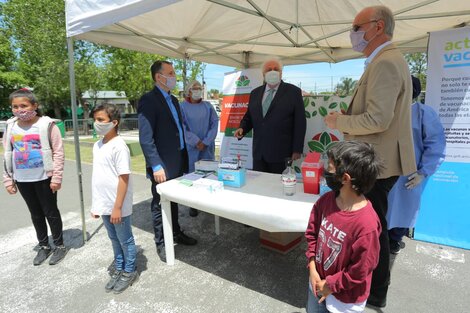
259 203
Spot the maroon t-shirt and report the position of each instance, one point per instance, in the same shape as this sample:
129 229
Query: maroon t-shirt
345 246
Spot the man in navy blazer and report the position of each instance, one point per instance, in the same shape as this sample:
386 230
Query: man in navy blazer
276 114
162 140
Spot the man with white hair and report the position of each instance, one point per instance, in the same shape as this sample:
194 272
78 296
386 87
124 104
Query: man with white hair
380 114
276 114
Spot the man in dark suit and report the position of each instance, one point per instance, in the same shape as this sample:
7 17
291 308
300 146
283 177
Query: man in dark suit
162 140
276 114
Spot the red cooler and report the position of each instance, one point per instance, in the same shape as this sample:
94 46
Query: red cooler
311 172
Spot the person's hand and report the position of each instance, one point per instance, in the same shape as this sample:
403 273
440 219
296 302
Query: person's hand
323 289
200 146
314 280
115 216
12 189
330 119
94 216
414 180
55 187
159 176
238 133
295 156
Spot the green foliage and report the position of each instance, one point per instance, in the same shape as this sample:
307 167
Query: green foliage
418 65
346 86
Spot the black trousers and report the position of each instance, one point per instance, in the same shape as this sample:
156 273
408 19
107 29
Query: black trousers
42 204
269 167
381 275
156 210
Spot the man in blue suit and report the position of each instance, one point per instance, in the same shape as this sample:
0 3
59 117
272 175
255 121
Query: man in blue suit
162 140
276 114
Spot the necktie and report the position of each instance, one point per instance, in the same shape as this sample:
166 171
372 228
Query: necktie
267 102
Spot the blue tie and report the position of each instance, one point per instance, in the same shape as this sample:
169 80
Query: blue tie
267 102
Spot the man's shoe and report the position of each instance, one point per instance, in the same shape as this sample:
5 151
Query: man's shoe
115 275
58 255
374 301
124 281
43 253
181 238
161 253
395 247
193 212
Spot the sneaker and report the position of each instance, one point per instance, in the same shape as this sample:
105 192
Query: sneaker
183 239
395 247
193 212
58 255
115 275
124 281
43 253
161 253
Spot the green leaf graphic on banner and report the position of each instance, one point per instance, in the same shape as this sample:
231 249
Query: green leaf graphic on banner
306 102
323 112
297 169
314 113
246 82
333 105
343 106
316 146
325 139
313 103
325 98
331 144
307 114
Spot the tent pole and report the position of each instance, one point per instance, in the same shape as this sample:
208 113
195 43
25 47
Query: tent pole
246 59
75 132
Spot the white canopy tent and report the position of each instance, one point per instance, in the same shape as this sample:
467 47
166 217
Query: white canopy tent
242 33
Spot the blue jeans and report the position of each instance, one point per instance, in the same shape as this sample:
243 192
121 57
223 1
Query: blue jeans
123 243
312 303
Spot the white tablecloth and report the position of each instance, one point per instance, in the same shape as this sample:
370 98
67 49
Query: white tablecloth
260 203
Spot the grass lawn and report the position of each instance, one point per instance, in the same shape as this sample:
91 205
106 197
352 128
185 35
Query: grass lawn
86 155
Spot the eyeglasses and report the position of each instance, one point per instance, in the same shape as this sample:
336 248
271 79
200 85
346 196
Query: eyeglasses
356 27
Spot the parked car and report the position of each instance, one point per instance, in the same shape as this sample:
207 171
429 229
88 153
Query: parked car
216 105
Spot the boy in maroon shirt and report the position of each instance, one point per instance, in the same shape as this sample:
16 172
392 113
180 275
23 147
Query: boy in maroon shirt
343 232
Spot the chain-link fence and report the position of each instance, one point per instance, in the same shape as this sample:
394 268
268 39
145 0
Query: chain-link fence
127 127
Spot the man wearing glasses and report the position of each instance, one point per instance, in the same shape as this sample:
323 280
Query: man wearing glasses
380 114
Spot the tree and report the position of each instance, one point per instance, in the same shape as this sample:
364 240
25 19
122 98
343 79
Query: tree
418 65
38 33
193 70
346 86
129 71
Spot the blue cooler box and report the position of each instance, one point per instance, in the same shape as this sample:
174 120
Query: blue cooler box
232 178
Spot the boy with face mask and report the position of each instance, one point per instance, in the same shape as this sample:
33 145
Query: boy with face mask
112 195
200 122
343 232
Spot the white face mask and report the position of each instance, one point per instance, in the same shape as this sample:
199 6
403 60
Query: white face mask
102 129
357 39
272 77
196 94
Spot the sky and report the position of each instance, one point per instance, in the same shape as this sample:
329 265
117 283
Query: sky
314 77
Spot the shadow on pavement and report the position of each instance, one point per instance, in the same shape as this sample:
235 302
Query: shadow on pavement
235 255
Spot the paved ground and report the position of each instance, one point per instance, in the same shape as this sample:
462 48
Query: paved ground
226 273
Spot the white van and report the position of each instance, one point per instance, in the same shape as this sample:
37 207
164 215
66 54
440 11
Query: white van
216 105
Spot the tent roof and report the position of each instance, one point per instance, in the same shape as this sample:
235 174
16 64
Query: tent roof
242 33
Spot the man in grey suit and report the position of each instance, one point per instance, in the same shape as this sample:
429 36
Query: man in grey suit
380 114
276 114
